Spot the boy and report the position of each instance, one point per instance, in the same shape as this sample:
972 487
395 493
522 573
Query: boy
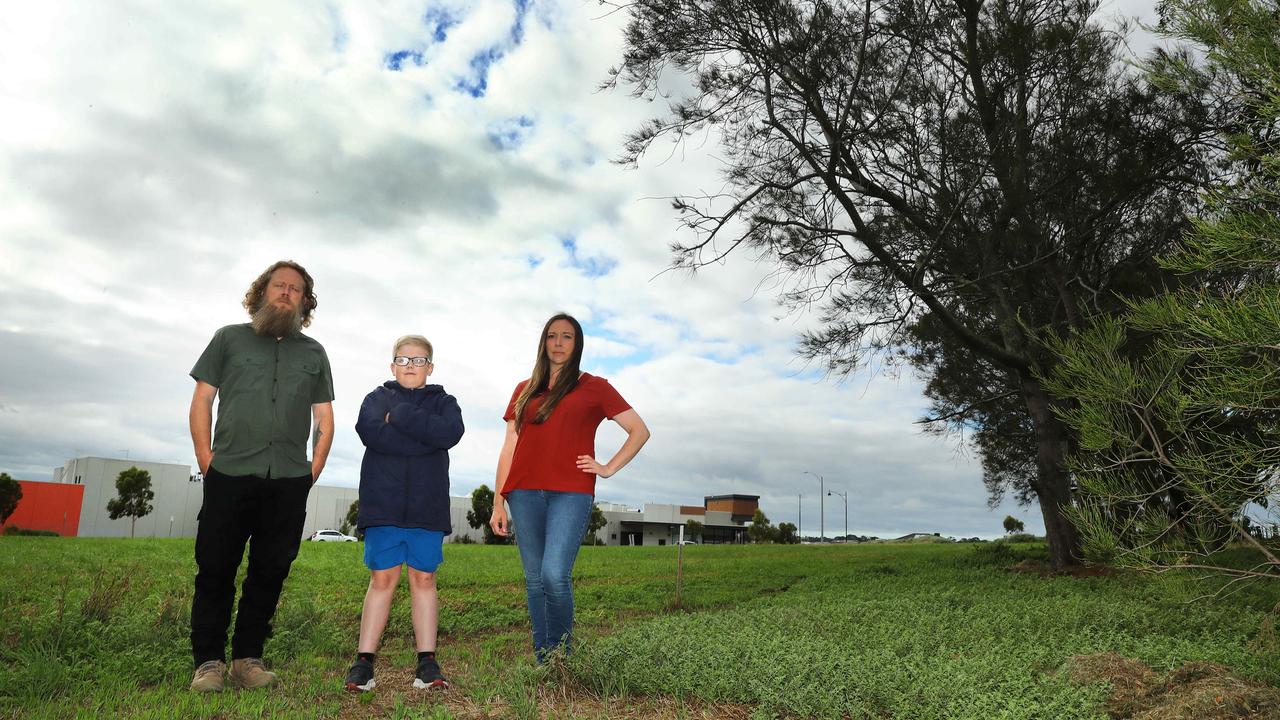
407 427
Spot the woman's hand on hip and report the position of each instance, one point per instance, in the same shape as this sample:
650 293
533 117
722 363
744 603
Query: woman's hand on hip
588 464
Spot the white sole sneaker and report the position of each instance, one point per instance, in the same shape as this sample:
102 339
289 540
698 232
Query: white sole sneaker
418 684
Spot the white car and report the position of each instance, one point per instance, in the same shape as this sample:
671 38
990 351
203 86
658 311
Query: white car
330 536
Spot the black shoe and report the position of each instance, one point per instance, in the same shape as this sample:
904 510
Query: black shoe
360 676
429 676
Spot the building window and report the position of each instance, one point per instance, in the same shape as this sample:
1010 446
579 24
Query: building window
662 541
613 536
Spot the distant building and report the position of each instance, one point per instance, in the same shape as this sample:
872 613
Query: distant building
75 503
916 536
723 519
47 506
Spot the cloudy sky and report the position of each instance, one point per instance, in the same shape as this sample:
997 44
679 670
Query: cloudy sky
441 168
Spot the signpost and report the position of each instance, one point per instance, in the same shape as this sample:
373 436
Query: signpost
679 564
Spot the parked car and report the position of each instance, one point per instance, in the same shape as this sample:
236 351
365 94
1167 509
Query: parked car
330 536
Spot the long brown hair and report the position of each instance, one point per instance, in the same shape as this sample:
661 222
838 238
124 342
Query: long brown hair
541 377
253 297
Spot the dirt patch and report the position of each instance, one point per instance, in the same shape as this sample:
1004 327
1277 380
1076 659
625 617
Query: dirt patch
1195 691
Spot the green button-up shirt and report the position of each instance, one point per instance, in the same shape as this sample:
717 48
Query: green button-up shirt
266 388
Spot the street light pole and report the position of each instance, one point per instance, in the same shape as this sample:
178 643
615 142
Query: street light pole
822 510
799 516
845 496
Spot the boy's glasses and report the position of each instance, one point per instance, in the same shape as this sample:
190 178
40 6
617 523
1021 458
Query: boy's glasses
403 361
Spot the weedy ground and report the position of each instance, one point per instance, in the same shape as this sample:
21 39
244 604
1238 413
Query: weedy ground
94 627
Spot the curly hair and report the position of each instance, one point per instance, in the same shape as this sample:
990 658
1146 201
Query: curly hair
253 297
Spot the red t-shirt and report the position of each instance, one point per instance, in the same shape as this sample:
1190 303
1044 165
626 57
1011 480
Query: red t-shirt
546 454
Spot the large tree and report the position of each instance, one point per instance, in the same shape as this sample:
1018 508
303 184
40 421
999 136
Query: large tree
133 497
989 169
10 496
1177 404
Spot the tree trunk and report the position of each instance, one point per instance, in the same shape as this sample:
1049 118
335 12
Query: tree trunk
133 522
1053 486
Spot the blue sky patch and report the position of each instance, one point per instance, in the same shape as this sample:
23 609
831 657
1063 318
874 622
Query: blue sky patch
398 59
589 266
477 83
511 133
440 22
341 36
517 28
533 261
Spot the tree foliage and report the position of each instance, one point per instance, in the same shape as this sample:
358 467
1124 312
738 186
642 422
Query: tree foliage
1013 525
761 531
10 496
597 521
984 172
480 512
352 520
133 497
693 530
1177 404
787 534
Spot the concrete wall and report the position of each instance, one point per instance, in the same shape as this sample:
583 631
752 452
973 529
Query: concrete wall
174 508
48 506
327 508
180 499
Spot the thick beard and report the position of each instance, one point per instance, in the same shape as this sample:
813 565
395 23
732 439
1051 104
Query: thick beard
271 321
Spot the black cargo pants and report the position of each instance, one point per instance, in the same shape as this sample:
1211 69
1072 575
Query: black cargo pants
266 513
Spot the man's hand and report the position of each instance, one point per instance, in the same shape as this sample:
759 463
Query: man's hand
322 414
201 420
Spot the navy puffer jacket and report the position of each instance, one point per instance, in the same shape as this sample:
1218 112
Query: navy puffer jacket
404 478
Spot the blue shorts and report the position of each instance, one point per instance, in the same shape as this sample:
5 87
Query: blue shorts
388 546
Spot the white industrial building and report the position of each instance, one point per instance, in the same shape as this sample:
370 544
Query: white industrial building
179 493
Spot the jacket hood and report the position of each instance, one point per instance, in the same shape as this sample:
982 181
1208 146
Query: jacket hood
399 389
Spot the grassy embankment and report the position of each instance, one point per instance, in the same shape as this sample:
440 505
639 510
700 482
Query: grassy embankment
97 627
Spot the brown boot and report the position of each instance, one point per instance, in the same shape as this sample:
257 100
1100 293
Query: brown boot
208 677
249 673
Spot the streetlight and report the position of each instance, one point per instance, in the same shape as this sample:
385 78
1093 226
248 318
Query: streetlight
845 496
822 511
799 516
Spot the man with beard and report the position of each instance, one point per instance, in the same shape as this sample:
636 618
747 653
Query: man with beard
272 381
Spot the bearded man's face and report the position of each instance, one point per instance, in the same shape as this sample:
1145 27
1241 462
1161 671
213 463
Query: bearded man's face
279 312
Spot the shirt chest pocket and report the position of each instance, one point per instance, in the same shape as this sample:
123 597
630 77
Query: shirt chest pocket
248 373
299 377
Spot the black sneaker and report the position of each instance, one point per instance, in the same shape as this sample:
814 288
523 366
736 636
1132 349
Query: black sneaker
429 676
360 676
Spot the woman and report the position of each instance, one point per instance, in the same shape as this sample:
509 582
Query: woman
547 472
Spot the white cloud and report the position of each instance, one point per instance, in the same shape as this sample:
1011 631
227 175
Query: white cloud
155 157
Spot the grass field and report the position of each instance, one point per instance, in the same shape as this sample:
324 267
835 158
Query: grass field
98 628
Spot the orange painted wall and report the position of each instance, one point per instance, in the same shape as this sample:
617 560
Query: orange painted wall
48 506
736 507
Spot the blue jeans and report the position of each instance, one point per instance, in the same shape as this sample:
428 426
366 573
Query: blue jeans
549 526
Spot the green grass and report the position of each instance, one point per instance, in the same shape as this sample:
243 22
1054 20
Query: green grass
98 627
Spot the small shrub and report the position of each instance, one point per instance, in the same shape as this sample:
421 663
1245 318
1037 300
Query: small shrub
104 597
15 530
